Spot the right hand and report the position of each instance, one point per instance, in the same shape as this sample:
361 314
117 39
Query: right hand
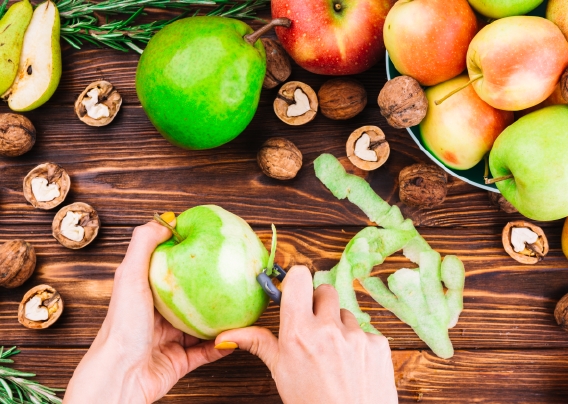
322 355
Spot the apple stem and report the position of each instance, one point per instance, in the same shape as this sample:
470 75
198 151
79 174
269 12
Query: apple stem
438 102
277 22
161 221
498 179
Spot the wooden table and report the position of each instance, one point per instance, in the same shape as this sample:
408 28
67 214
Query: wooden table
508 347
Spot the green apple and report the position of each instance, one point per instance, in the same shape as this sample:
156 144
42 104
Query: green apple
12 29
461 130
504 8
199 80
206 283
557 12
530 159
39 71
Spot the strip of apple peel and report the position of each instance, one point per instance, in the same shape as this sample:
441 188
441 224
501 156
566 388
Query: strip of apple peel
418 297
270 264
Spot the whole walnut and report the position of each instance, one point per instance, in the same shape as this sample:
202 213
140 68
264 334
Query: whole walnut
403 102
342 98
499 201
561 312
17 135
278 67
17 263
279 158
422 185
564 85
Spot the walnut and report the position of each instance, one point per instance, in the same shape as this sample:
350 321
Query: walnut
296 103
76 225
17 263
17 135
561 312
342 98
98 104
40 308
367 148
46 186
499 201
564 85
279 158
525 242
422 185
403 102
278 67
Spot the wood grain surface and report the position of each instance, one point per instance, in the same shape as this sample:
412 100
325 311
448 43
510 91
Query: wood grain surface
508 347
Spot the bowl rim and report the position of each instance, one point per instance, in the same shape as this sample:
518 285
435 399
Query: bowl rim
430 155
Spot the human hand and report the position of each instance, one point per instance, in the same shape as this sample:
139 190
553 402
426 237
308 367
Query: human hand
322 355
137 355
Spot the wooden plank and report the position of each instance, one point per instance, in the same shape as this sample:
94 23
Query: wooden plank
507 304
130 164
487 376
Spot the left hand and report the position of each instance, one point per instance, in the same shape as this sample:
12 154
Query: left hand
137 356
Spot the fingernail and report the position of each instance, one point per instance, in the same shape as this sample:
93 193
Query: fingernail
226 345
169 218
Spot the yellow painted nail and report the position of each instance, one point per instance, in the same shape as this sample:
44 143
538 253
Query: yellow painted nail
169 218
226 345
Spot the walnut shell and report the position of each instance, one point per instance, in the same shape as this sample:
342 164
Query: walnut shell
403 102
499 201
54 174
342 98
378 144
279 158
278 67
89 221
561 312
528 256
17 135
422 185
285 98
50 298
564 85
17 263
108 96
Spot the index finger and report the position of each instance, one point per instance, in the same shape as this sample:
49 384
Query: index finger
297 295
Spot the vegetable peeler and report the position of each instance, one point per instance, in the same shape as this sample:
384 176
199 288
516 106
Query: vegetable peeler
265 281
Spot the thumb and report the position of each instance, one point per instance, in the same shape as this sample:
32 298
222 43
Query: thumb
258 341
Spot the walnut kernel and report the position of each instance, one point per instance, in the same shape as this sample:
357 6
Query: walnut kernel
422 185
40 308
403 102
98 104
278 67
342 98
17 135
83 220
367 148
279 158
296 103
518 233
17 263
46 186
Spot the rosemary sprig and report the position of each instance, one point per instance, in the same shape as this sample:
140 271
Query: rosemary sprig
15 388
80 25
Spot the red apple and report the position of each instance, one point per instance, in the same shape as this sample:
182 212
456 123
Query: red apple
428 39
557 12
461 130
335 37
516 62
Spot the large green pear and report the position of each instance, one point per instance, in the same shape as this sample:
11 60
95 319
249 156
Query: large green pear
39 70
199 80
206 283
534 150
504 8
12 29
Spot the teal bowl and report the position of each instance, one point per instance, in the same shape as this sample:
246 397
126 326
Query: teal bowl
473 176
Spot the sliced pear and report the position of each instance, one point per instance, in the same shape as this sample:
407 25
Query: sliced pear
12 29
40 62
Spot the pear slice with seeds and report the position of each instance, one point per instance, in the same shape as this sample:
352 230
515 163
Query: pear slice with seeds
40 62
